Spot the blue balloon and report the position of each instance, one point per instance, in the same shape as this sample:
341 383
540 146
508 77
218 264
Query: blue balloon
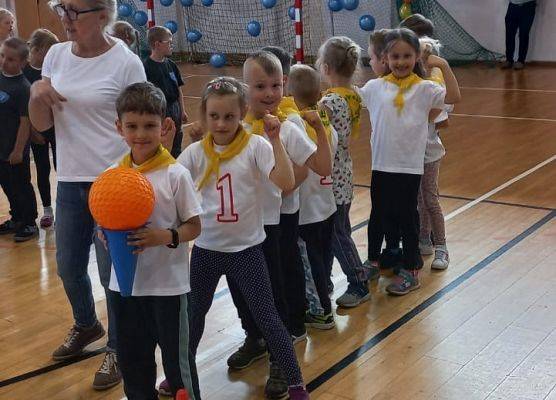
207 3
335 5
367 22
186 3
268 3
193 35
166 3
172 26
218 60
254 28
124 10
140 18
291 12
351 4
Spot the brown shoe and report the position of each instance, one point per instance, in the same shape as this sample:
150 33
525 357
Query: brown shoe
108 374
507 65
76 340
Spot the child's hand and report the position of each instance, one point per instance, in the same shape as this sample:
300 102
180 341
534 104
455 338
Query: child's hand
196 131
102 238
271 126
15 157
168 133
312 117
148 237
433 61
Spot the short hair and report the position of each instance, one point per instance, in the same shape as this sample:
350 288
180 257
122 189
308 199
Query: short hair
141 98
108 5
283 56
121 29
341 54
377 40
42 39
266 60
157 34
304 84
224 86
419 24
19 46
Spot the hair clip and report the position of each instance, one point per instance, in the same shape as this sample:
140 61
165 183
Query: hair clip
216 85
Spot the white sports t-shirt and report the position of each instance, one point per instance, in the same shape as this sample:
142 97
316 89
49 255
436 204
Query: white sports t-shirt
162 271
399 140
299 148
435 149
86 137
232 218
316 194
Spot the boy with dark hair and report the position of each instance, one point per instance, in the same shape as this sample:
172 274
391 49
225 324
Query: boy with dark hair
15 174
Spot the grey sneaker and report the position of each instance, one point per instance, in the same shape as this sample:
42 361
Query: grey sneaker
323 322
108 374
248 353
353 296
369 273
519 65
76 340
404 283
426 248
441 258
277 385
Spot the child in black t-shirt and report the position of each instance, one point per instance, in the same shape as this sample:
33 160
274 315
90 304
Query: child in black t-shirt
15 175
164 73
40 41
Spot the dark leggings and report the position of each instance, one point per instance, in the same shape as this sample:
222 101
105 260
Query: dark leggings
42 164
248 271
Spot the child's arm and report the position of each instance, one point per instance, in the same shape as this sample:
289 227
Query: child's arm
184 116
453 94
150 237
300 173
16 156
282 173
321 160
43 98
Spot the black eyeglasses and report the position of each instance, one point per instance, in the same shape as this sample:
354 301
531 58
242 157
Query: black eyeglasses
72 14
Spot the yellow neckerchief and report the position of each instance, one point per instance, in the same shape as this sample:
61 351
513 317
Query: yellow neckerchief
404 84
161 159
437 76
257 124
288 106
325 121
354 102
214 158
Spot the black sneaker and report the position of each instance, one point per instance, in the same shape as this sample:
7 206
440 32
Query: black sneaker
76 340
25 233
276 387
7 227
248 353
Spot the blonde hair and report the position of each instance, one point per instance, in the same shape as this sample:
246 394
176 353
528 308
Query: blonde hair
304 84
108 5
340 54
6 13
157 34
42 39
268 61
430 45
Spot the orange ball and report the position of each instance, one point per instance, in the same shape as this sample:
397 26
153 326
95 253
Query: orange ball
121 198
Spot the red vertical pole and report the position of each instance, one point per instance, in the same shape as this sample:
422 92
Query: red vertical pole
298 5
150 13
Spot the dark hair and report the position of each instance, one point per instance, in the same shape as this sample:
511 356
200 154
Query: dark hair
419 24
304 84
224 86
283 56
411 39
377 40
341 54
157 34
42 39
18 45
141 98
267 61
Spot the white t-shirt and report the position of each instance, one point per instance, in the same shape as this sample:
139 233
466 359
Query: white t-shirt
162 271
435 149
316 194
86 137
299 148
232 217
399 140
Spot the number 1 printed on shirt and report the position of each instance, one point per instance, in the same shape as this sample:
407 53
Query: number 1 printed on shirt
227 212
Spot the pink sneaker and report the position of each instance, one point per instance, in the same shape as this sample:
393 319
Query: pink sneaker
164 388
298 392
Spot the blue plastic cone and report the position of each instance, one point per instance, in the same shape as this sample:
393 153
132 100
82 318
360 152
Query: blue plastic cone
123 259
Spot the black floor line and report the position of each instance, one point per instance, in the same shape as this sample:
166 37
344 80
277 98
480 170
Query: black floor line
315 383
379 337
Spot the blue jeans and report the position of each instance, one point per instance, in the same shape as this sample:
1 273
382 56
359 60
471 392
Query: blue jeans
75 232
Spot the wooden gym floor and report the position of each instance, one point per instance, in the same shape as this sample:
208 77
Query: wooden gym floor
483 329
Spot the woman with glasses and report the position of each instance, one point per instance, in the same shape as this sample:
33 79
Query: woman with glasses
81 79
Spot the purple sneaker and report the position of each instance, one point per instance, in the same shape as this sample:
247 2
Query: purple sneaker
298 392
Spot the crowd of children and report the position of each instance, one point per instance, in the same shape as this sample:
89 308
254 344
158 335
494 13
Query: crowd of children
265 190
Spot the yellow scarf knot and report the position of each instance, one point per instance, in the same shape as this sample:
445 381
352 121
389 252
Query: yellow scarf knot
354 103
325 121
161 159
404 84
282 112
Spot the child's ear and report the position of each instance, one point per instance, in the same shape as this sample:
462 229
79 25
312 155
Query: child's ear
119 127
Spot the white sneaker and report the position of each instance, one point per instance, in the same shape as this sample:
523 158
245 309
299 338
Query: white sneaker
441 258
426 248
